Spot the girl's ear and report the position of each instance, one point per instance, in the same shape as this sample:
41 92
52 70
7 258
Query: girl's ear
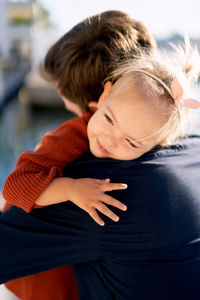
106 92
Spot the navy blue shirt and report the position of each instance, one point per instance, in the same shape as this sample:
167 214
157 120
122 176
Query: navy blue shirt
153 252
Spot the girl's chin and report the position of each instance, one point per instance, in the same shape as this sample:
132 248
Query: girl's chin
97 153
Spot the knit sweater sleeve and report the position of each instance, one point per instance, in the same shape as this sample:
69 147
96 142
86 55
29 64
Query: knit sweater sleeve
36 169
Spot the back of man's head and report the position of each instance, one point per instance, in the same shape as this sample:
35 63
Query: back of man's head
79 62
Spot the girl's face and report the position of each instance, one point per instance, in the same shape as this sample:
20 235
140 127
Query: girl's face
122 119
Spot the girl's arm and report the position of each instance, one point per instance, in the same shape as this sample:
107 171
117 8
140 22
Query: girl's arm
36 169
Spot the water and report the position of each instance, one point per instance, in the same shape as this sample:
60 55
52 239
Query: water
21 128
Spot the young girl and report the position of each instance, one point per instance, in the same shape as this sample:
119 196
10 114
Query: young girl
147 106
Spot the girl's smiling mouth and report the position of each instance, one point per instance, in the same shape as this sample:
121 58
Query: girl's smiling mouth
101 148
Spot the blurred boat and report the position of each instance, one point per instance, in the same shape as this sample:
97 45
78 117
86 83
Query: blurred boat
10 84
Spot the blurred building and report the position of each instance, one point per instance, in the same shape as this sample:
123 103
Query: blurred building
19 22
25 36
15 46
15 34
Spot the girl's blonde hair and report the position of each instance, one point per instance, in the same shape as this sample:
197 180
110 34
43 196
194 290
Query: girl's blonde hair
183 63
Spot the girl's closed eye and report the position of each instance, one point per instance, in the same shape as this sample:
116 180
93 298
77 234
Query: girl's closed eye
108 119
131 143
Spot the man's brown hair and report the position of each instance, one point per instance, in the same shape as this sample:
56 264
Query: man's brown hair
79 62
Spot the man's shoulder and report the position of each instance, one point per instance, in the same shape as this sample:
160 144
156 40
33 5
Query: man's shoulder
158 160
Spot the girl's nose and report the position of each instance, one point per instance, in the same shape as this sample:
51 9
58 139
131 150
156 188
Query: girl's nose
113 137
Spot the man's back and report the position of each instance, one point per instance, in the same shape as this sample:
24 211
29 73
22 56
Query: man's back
148 253
151 253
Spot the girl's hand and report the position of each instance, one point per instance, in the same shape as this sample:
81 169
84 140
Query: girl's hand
89 194
40 143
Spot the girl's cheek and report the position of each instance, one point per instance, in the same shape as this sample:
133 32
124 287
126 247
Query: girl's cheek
98 124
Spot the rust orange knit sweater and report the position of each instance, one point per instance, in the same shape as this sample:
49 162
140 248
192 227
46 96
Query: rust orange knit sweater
36 169
33 172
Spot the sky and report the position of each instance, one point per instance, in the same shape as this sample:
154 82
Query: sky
163 18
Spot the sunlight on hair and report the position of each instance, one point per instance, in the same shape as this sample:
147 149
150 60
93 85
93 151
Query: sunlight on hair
152 76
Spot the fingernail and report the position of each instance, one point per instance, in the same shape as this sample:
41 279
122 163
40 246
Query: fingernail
124 185
102 224
124 207
116 219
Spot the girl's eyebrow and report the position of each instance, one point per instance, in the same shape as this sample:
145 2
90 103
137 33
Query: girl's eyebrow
134 140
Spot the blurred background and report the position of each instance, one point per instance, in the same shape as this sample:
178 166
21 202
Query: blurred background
28 105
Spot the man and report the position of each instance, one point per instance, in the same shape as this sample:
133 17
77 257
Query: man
151 253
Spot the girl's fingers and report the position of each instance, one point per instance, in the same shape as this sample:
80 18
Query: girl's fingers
107 186
111 201
114 186
106 211
103 181
94 215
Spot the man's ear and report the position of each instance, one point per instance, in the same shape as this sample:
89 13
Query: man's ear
106 92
